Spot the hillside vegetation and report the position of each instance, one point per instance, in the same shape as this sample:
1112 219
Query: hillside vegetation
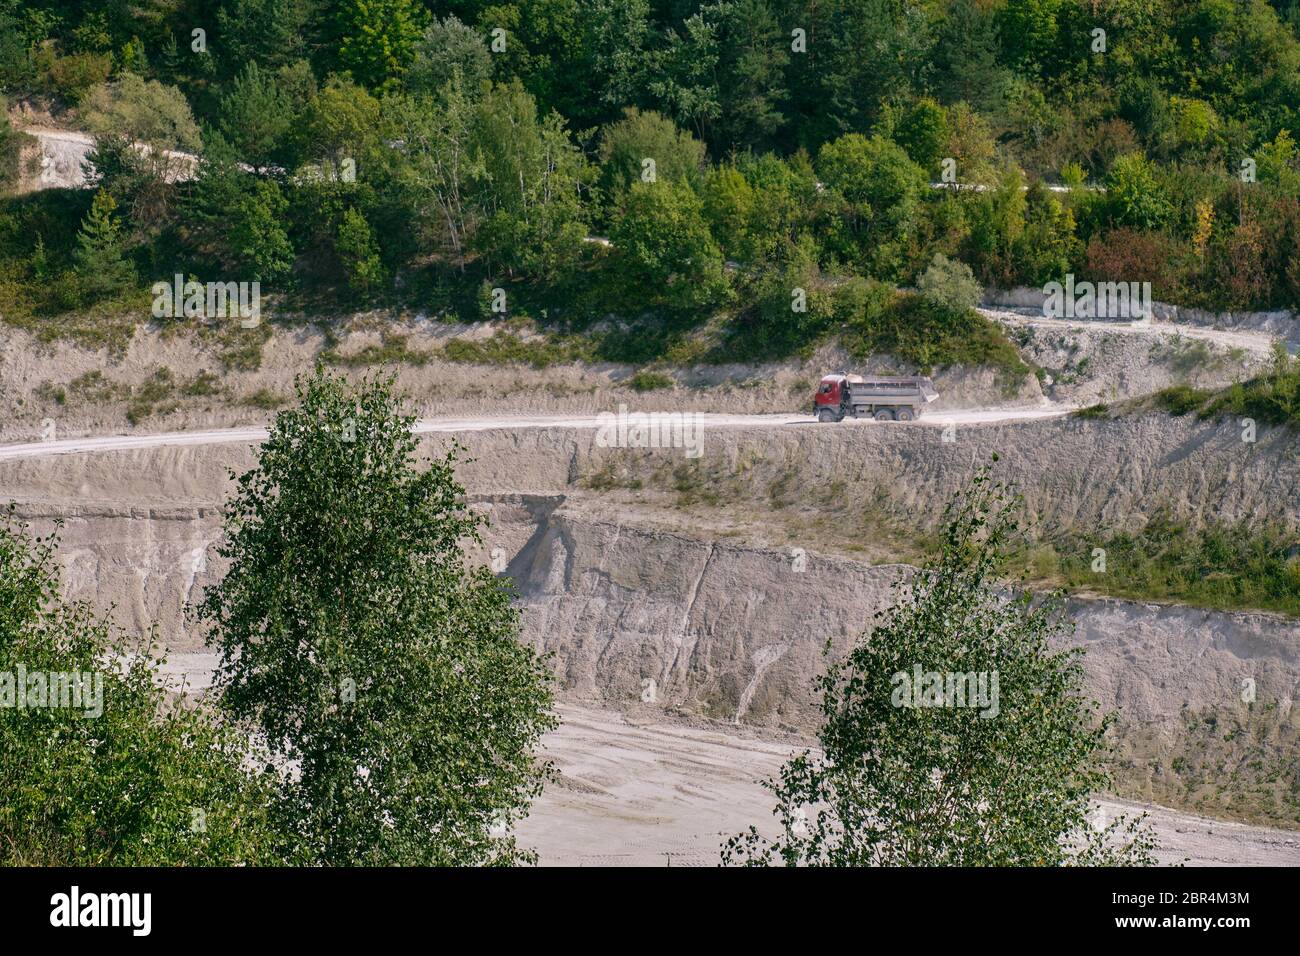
738 178
1272 398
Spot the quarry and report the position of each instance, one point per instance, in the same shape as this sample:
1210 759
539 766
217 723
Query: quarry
725 573
466 436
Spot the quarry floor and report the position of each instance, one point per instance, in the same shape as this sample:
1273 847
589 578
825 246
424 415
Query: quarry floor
645 792
637 788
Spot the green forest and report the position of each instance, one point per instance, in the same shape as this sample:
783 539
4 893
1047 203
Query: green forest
660 178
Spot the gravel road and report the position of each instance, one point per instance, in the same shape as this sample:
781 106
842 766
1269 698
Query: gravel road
66 446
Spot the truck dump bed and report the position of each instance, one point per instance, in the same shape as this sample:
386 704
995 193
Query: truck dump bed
913 390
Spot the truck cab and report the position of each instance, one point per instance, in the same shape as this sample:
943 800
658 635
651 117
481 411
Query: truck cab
830 395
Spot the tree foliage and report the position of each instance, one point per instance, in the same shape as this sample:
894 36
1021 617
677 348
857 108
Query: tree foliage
949 285
257 116
144 111
102 266
664 249
355 637
448 49
11 143
378 38
357 248
906 776
126 778
645 146
486 143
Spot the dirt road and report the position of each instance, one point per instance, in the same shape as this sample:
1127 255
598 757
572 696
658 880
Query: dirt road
1259 342
64 154
67 446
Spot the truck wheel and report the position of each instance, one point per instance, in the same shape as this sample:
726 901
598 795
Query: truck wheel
826 415
883 415
905 415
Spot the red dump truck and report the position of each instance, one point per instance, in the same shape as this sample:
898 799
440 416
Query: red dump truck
884 397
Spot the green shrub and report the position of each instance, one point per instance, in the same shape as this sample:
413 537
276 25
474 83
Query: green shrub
949 284
916 330
122 780
644 381
1180 399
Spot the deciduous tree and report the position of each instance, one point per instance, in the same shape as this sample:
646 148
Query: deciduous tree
115 775
924 778
356 634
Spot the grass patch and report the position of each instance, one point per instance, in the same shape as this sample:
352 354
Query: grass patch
611 476
1226 567
1100 410
240 349
1181 399
644 381
1186 356
264 399
507 348
158 394
95 388
1272 398
393 350
154 396
1234 760
203 385
693 484
109 327
49 392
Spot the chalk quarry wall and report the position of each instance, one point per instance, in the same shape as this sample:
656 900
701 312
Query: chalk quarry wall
739 632
732 631
141 524
722 629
